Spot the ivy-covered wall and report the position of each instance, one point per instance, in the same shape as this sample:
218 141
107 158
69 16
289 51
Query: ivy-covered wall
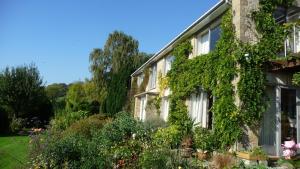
232 59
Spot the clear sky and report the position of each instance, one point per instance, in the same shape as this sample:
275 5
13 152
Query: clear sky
58 35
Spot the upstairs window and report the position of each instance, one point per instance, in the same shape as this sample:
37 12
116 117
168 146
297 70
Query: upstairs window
214 37
207 42
153 76
168 63
140 79
203 44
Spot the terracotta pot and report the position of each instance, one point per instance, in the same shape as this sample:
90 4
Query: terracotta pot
202 155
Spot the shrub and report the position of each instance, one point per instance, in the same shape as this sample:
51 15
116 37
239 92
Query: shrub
84 127
155 158
65 120
120 129
16 124
223 161
169 137
204 139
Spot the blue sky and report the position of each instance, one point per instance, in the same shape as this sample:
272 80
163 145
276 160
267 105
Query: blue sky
58 35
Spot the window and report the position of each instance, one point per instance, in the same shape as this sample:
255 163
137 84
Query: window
168 63
214 37
165 109
153 77
140 79
207 42
203 44
199 108
142 108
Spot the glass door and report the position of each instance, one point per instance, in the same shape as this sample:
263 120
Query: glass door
288 115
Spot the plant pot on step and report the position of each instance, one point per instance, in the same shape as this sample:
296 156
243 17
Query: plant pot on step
202 155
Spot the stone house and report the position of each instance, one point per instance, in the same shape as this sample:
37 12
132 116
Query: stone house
280 121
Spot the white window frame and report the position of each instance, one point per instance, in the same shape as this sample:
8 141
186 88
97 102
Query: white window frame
165 109
168 63
153 76
199 108
140 79
199 43
142 113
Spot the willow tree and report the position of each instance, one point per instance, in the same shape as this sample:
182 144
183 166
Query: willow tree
111 68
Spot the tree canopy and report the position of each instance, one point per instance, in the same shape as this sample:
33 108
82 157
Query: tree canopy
111 68
22 93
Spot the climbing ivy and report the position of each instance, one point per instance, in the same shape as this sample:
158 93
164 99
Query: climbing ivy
231 61
213 72
252 58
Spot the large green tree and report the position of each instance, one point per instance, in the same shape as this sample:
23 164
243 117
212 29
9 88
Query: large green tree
22 93
56 92
111 68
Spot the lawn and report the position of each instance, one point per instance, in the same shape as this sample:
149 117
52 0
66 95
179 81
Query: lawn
13 151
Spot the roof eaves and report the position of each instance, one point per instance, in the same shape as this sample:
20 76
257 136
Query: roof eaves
215 7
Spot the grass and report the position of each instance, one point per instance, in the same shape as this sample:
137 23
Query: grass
13 151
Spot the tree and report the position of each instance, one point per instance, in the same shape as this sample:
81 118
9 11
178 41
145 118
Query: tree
76 97
111 68
56 92
22 93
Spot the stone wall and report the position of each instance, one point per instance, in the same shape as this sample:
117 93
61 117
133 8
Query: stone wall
245 31
244 26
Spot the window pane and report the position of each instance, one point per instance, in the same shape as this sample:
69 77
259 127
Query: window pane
153 77
214 37
168 63
165 110
199 108
203 44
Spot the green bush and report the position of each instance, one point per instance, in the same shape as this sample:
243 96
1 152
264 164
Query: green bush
66 119
16 124
204 139
155 158
85 127
120 129
169 137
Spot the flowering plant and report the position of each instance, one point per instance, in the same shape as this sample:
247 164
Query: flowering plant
290 149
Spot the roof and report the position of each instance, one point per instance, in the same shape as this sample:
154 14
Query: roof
203 21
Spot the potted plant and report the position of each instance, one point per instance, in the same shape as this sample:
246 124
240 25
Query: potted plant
186 146
187 141
204 142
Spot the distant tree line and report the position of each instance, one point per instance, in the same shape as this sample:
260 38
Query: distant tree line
25 101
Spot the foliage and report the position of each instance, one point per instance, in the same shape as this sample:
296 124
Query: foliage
111 68
213 72
216 72
259 152
251 87
204 139
118 130
65 120
296 79
85 127
169 137
22 93
16 124
223 161
80 96
4 121
289 163
155 158
56 92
